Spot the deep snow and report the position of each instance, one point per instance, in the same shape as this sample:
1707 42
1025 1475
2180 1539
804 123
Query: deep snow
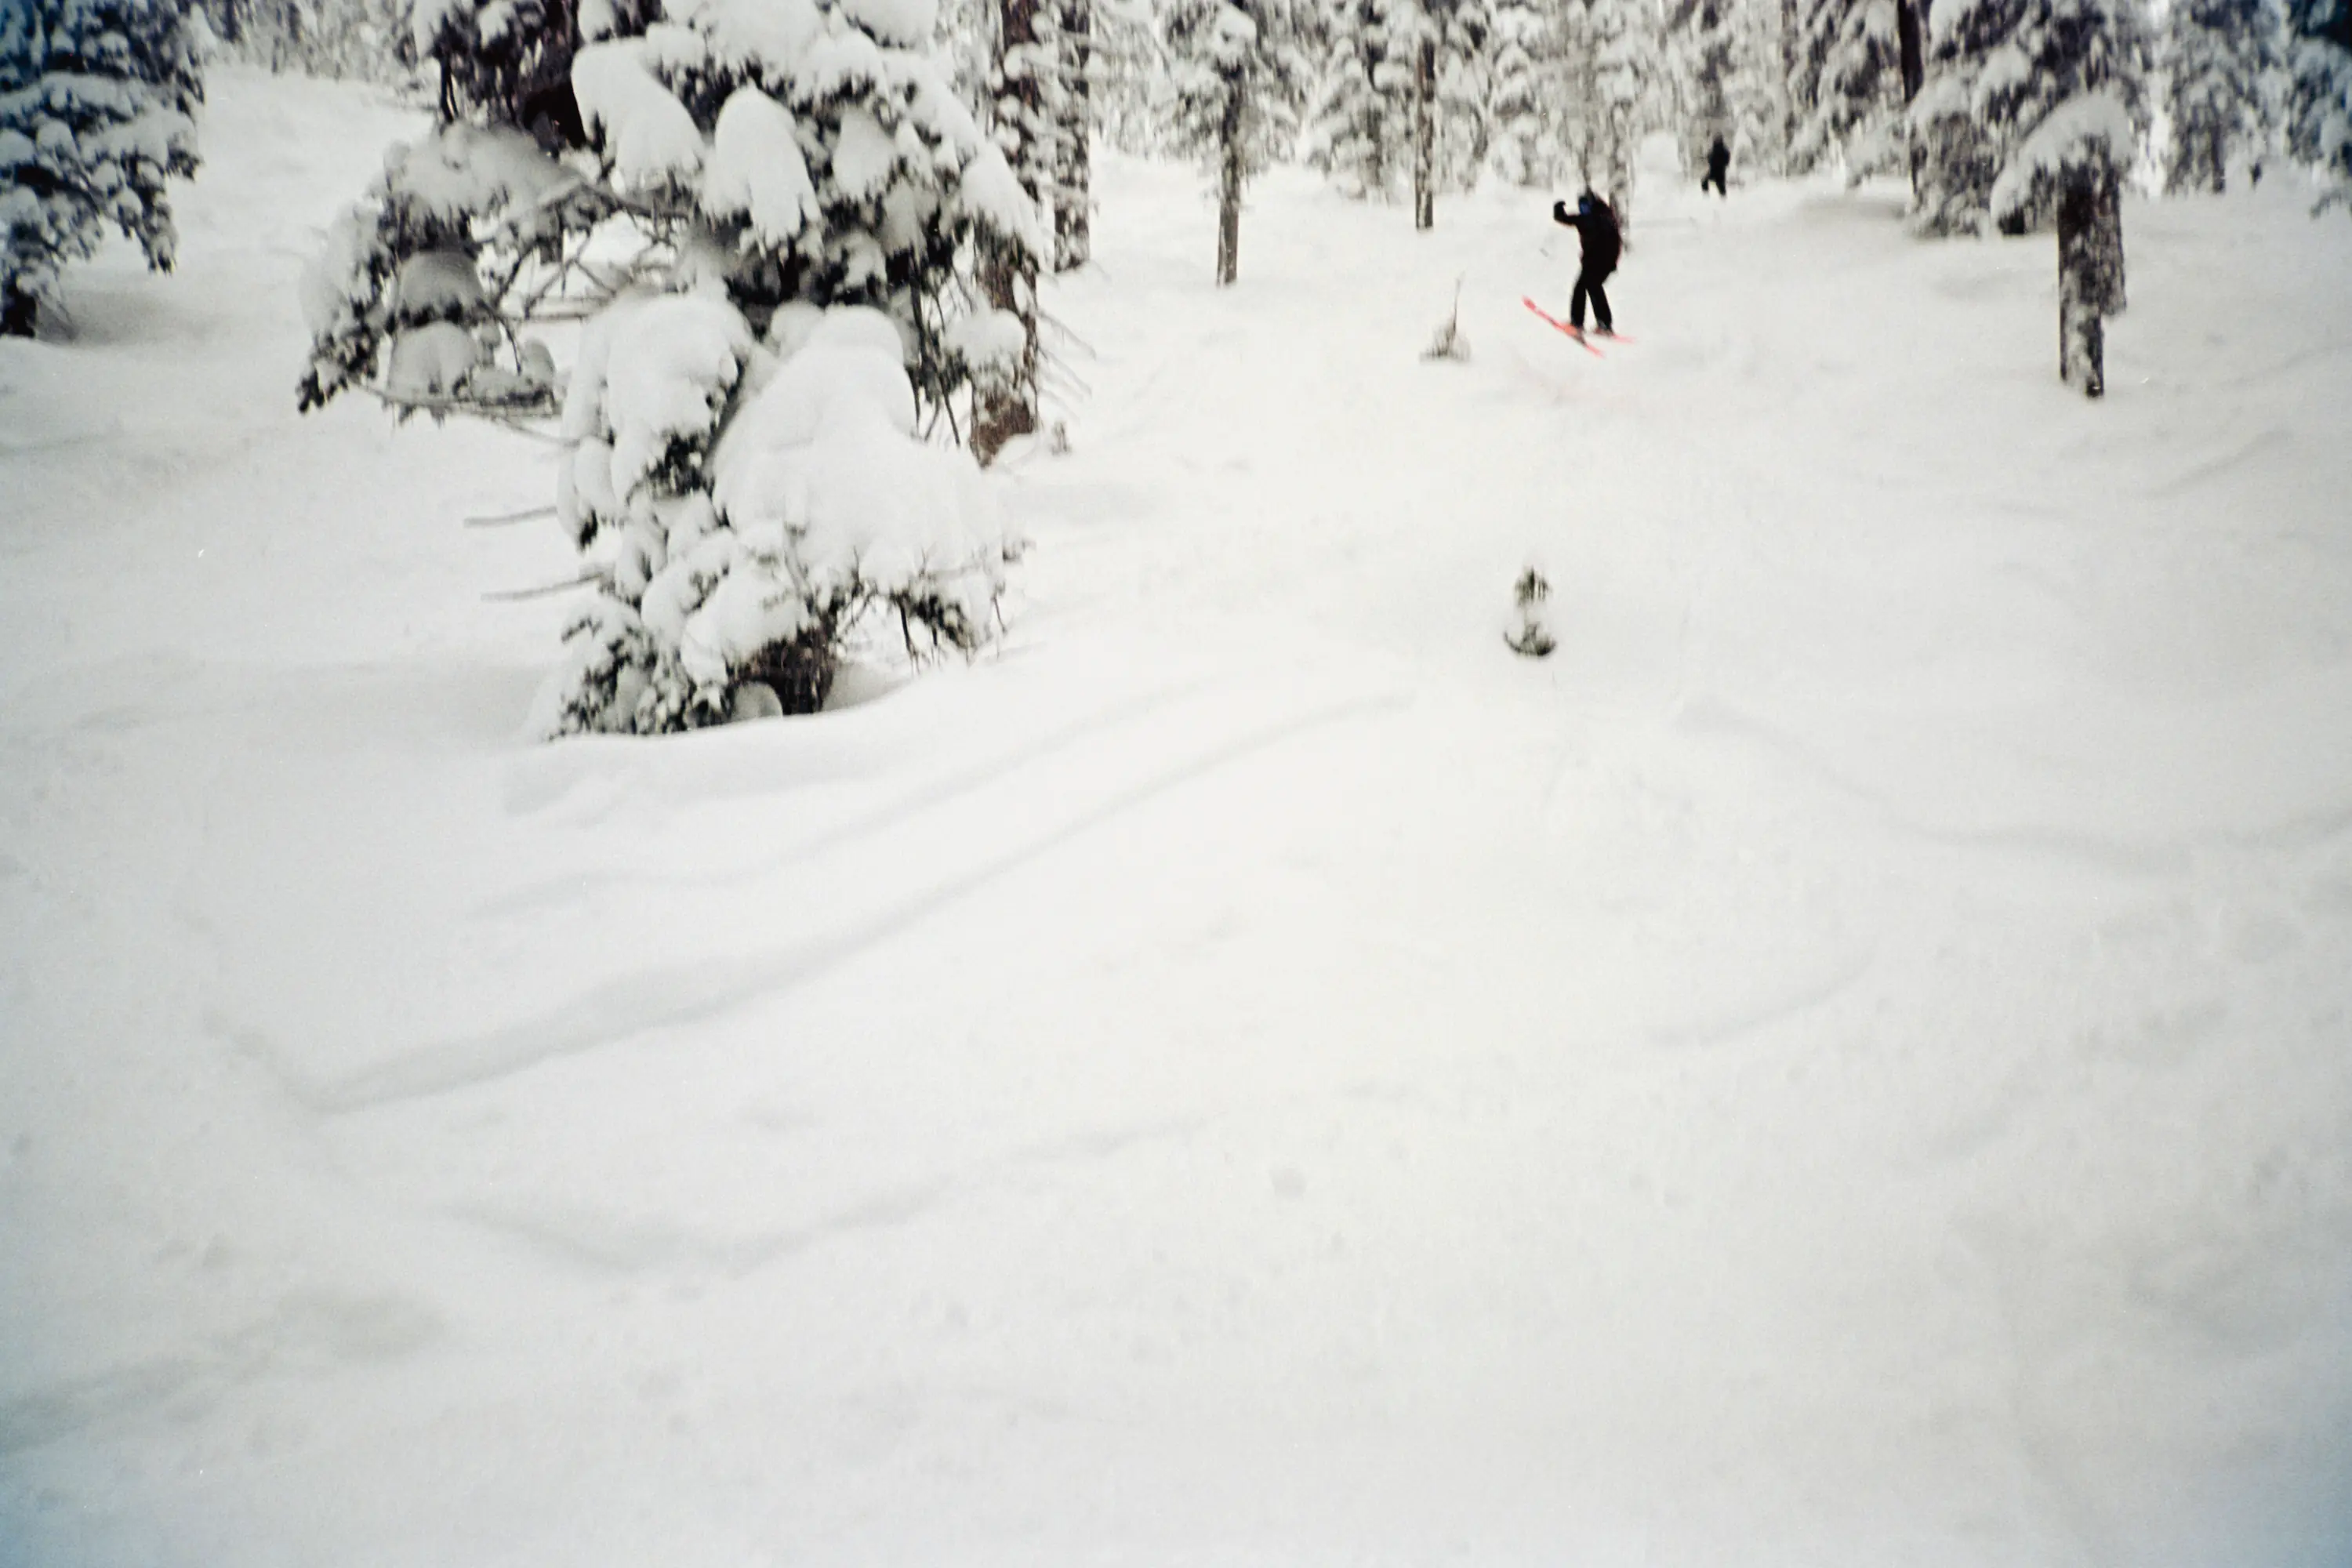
1846 1062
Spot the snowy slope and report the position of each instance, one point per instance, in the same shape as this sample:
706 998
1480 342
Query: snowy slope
1843 1063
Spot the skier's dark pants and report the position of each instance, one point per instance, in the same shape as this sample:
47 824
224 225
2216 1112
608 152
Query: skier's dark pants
1714 178
1588 283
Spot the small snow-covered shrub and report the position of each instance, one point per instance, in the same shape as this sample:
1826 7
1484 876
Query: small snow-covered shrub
770 236
756 554
98 104
1447 342
1527 636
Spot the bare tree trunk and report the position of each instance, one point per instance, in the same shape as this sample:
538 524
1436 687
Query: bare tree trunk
1910 36
1074 165
2090 274
20 310
2220 162
1006 405
1911 54
1228 186
1425 134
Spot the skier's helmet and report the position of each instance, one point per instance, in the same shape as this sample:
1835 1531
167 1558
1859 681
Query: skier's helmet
1585 203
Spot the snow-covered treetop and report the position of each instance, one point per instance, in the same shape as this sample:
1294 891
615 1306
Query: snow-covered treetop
97 105
1257 50
2018 92
812 149
721 104
2090 128
765 213
754 500
122 71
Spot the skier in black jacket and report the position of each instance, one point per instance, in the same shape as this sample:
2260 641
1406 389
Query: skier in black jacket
1596 229
1718 164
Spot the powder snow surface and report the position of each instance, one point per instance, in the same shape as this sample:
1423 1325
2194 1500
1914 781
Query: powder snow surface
1845 1063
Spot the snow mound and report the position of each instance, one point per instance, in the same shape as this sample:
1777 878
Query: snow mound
823 505
825 454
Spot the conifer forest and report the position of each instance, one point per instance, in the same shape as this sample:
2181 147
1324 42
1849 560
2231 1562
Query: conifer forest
1175 782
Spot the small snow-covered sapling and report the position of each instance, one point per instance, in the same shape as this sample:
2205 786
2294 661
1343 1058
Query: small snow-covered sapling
1530 638
1448 341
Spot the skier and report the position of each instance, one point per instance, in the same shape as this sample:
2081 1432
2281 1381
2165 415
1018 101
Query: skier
1596 230
1719 163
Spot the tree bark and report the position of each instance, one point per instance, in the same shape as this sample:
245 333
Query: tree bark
1910 33
1073 171
19 311
1006 405
2090 273
1424 133
1229 184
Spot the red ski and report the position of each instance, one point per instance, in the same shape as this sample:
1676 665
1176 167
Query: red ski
1577 333
1552 321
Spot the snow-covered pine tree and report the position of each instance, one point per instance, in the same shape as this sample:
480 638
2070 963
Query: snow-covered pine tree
1437 73
365 40
1072 147
2033 111
1852 86
1127 70
1761 106
2319 94
1029 67
2017 91
1417 32
98 106
2219 59
1241 71
1465 91
1701 39
1523 143
770 238
965 36
508 62
1612 50
1027 122
1357 123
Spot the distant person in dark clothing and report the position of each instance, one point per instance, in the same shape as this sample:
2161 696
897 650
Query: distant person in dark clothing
1719 163
1596 230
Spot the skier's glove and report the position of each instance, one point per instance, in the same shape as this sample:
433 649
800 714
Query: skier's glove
1559 213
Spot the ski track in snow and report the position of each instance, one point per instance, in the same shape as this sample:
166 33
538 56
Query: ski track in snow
1841 1063
707 988
604 1248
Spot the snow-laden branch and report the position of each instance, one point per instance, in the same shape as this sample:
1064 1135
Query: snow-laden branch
2094 128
